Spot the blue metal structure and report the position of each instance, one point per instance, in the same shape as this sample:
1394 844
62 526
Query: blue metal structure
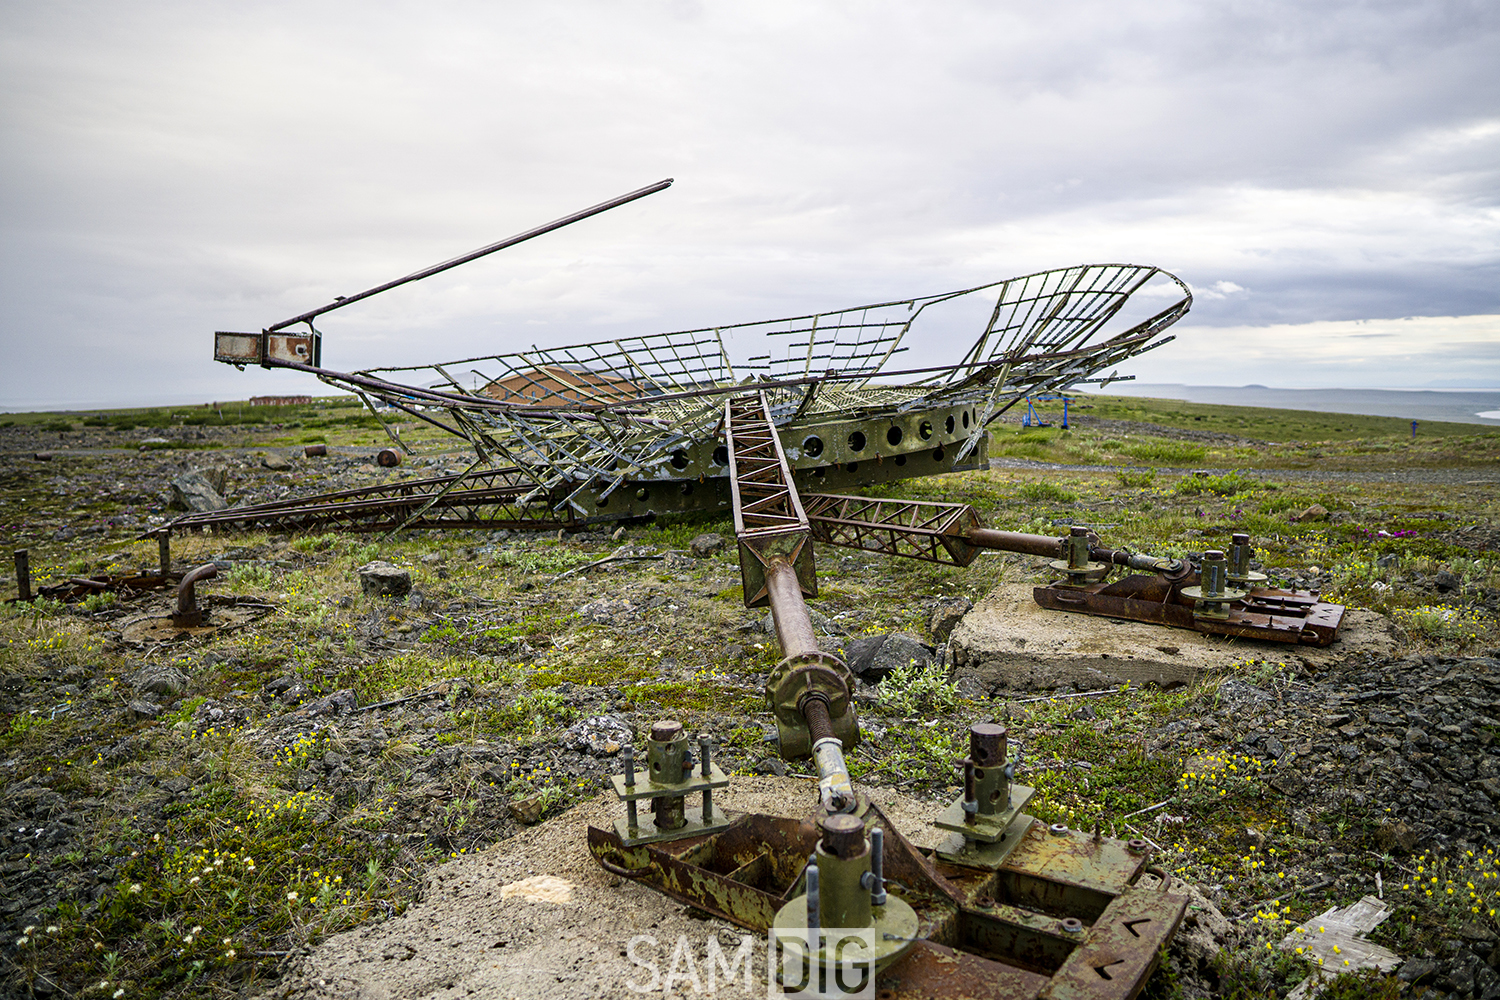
1032 419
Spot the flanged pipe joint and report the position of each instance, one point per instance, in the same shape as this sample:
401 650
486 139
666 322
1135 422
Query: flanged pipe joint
1077 561
810 696
1213 596
845 917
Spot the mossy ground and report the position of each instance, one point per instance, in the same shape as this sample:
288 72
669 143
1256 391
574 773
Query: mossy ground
204 851
1130 431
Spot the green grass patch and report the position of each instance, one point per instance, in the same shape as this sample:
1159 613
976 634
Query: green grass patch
1229 484
1045 492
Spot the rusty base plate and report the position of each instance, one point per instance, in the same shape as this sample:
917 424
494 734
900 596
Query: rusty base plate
960 850
646 831
220 614
645 788
1062 917
992 829
1274 615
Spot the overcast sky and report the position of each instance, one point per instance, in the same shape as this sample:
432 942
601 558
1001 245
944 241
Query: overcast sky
169 169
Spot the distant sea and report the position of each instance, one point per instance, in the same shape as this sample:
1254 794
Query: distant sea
1464 406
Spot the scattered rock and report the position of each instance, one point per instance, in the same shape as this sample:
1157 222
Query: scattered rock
676 560
159 678
338 703
527 811
946 616
707 545
192 491
218 478
1447 582
873 658
605 610
1317 512
288 687
382 579
1204 931
771 765
1419 972
177 784
1235 695
598 735
141 708
276 462
1251 837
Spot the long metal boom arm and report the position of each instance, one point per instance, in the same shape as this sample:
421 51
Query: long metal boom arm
567 220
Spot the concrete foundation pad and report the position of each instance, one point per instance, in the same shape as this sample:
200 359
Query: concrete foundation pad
535 917
1009 642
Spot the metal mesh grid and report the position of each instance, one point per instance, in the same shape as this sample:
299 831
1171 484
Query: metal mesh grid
607 410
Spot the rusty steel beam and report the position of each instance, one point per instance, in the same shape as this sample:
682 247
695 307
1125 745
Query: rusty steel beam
914 529
950 533
810 690
769 521
494 498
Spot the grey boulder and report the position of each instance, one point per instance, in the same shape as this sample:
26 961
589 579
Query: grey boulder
873 658
381 579
159 678
192 491
946 616
707 545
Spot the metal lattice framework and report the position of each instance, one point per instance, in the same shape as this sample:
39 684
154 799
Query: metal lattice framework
599 414
595 416
494 498
914 529
765 503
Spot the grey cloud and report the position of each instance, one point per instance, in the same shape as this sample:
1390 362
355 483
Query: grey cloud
172 168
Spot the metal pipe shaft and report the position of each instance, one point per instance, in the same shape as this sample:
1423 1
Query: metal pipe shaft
1044 545
188 614
1015 541
795 633
186 597
835 787
427 272
789 610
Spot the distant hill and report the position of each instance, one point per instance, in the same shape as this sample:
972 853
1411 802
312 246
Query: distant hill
1459 405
